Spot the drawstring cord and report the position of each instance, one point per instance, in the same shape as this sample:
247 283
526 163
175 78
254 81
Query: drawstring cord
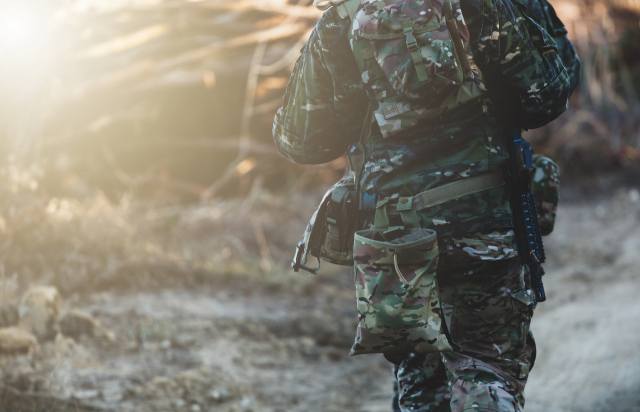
395 263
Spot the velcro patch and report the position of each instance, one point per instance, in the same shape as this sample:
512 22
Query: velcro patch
375 73
381 95
373 7
367 53
396 110
404 203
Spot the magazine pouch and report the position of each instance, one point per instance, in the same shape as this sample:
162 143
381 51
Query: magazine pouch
340 218
396 288
545 184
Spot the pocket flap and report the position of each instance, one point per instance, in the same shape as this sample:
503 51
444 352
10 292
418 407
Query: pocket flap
412 246
425 16
419 44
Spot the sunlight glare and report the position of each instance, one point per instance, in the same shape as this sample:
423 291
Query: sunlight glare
22 32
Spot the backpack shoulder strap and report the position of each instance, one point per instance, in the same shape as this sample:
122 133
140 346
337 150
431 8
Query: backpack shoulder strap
366 126
346 8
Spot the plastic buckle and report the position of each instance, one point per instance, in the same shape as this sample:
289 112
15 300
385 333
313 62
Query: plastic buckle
368 201
366 208
527 155
407 28
382 202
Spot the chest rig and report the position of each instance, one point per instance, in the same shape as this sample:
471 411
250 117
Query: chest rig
414 57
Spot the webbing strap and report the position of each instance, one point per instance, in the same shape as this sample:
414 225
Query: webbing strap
375 6
457 41
455 190
381 220
408 207
412 45
421 30
408 212
357 153
366 127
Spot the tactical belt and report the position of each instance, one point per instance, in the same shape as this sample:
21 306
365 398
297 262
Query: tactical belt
455 190
451 191
345 210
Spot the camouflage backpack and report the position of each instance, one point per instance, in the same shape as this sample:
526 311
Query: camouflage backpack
414 57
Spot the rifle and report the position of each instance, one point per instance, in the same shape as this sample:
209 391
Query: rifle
525 217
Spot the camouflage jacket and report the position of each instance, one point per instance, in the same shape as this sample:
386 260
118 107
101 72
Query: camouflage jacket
325 104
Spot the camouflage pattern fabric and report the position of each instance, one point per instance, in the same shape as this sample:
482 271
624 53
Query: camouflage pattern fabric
496 245
545 183
385 31
544 14
488 306
519 60
532 70
436 155
397 294
390 72
543 88
325 104
420 383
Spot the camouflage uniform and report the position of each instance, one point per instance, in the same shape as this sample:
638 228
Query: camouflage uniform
486 300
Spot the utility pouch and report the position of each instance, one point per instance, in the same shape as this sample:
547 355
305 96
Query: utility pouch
396 288
329 233
340 224
545 183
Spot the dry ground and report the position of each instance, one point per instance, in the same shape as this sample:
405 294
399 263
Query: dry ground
234 346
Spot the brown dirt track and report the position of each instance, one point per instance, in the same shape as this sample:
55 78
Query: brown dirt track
233 346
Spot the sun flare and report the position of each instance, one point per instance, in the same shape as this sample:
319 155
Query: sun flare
23 31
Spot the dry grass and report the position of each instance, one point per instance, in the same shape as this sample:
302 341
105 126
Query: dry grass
93 244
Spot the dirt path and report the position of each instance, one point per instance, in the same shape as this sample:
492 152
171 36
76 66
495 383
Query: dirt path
223 348
588 333
243 352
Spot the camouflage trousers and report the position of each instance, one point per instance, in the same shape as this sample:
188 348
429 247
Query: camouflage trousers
488 308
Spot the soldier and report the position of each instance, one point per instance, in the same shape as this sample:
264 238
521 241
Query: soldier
496 70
